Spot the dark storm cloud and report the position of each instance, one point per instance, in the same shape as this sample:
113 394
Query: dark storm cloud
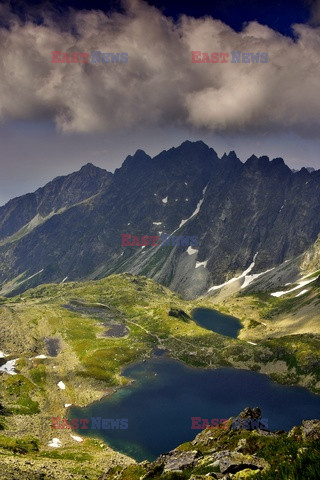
315 13
159 85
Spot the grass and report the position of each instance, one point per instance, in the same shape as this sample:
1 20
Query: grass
38 375
290 459
19 390
89 364
19 445
64 455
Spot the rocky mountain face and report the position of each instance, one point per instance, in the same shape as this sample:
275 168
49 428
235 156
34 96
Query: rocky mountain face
63 192
248 216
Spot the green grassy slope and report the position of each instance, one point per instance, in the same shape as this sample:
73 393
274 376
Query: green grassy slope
75 318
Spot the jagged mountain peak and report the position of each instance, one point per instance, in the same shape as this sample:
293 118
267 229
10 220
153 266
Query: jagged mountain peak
85 170
139 154
232 154
139 159
188 155
90 167
278 161
257 162
230 158
192 144
188 146
304 171
229 206
264 163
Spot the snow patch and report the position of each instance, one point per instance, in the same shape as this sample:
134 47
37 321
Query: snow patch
251 343
41 356
201 264
66 405
55 443
250 266
156 223
243 275
61 385
38 273
250 278
217 287
301 284
303 292
196 210
309 274
2 354
284 204
64 280
76 438
164 200
9 367
191 250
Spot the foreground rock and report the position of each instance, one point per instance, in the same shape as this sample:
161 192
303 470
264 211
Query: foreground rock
176 461
235 453
311 429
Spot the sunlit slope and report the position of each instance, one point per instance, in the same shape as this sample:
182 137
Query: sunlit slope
85 333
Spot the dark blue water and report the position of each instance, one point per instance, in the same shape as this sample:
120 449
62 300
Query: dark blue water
217 322
166 394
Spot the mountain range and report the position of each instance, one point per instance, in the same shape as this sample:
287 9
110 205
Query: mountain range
248 218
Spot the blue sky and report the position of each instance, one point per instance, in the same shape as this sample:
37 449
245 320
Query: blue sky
279 15
55 118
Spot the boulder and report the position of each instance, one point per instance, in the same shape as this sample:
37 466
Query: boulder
233 462
252 413
179 461
311 430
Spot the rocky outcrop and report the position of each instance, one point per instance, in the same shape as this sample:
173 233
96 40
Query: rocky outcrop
233 462
176 461
178 313
311 430
226 454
